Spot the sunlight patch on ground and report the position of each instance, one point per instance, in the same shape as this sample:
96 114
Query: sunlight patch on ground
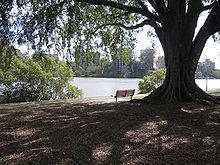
36 141
25 156
136 159
4 115
127 148
3 143
27 118
69 119
89 124
168 142
101 111
208 140
40 150
34 115
212 124
13 157
21 132
150 135
102 152
193 110
143 133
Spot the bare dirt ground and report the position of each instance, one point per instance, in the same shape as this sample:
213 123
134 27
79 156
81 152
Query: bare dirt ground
109 133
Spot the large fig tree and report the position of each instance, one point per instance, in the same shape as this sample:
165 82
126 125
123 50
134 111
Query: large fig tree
80 26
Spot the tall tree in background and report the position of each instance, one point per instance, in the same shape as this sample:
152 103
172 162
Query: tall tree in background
78 24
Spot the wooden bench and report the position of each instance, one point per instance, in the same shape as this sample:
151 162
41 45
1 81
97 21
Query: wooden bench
124 93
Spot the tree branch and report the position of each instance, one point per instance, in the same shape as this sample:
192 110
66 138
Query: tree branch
158 6
118 16
120 6
163 5
191 18
210 27
210 6
141 3
143 23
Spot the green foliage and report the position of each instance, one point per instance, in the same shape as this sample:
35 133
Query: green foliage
73 92
151 81
216 74
70 25
25 81
6 54
38 78
126 55
213 91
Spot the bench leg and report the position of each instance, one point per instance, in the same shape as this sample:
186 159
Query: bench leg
116 99
131 97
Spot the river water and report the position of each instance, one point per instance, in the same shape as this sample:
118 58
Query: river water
94 87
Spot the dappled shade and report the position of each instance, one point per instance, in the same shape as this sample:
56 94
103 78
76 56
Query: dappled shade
110 133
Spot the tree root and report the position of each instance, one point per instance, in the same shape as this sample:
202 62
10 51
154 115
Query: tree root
199 97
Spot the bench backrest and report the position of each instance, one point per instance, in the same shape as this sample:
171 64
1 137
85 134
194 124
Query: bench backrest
130 92
121 93
124 93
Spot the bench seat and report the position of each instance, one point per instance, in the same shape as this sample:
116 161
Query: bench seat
124 93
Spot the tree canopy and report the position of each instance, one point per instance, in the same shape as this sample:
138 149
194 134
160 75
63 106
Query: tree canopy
80 26
76 22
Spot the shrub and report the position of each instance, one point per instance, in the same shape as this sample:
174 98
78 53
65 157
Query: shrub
151 81
37 78
73 92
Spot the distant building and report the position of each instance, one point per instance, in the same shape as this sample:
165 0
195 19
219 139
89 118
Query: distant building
147 59
205 68
119 65
160 63
96 59
209 65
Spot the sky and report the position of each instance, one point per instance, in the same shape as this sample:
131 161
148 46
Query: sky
211 50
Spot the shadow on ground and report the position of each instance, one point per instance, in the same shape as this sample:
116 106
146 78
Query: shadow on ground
109 133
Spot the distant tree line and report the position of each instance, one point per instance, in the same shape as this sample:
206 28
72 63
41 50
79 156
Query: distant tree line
122 65
215 74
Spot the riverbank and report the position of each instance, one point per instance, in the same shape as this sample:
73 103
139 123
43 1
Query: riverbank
98 100
95 87
96 132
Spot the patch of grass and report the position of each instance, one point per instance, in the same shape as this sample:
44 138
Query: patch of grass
214 91
139 96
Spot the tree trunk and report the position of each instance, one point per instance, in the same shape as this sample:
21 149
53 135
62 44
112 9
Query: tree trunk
181 57
179 86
